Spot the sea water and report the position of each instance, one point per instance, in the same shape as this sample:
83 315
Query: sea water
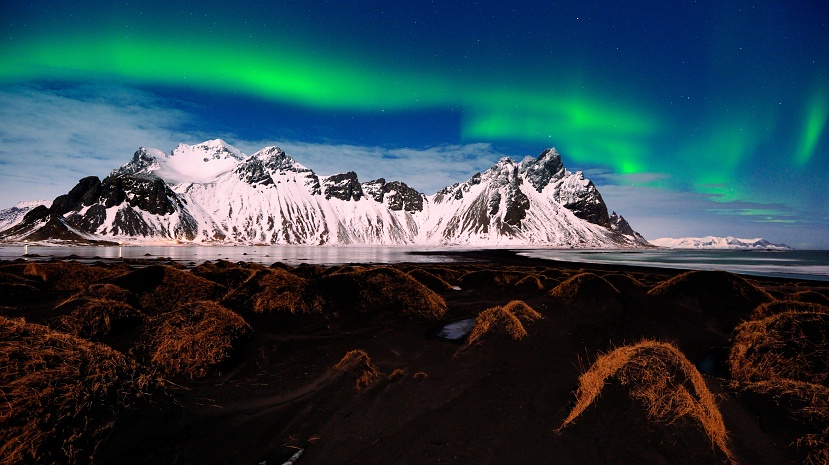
799 264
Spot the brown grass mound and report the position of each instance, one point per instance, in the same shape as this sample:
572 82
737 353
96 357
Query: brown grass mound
13 286
490 278
285 292
70 276
626 283
358 363
307 271
810 297
783 306
433 282
529 283
194 339
807 401
449 275
377 290
230 275
658 375
275 291
714 290
585 285
161 288
61 394
98 319
791 345
505 320
109 292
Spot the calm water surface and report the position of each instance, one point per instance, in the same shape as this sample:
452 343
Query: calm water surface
810 264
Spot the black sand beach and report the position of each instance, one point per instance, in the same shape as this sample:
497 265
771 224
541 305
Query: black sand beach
143 362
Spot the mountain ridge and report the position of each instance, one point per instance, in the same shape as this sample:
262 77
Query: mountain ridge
213 193
714 242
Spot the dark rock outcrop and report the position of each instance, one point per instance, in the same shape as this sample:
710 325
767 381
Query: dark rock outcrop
343 186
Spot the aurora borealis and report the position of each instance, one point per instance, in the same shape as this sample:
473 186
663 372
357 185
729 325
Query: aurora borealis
693 118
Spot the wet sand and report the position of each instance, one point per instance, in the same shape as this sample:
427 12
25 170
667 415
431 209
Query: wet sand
287 378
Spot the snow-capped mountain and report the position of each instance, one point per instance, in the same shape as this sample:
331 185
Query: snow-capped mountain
711 242
213 193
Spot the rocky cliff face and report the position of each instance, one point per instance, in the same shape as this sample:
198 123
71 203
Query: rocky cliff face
211 192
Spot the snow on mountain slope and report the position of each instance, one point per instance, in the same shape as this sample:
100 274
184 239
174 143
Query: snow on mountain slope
712 242
187 163
10 217
212 193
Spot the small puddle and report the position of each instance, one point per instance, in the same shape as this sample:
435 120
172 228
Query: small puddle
454 331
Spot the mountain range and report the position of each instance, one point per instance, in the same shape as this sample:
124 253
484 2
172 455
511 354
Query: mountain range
712 242
211 193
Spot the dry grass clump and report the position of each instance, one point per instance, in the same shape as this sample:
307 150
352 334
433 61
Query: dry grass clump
714 290
449 275
98 319
529 283
785 358
810 297
625 283
282 291
790 345
396 375
505 319
230 275
379 289
307 271
489 278
70 276
13 286
108 292
818 446
584 285
61 394
194 339
663 379
161 288
783 306
358 363
433 282
807 401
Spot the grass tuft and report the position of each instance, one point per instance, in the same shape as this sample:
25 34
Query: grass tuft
358 363
505 319
663 379
61 394
788 345
194 339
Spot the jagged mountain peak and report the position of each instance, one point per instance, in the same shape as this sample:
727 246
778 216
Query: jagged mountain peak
275 159
542 170
211 149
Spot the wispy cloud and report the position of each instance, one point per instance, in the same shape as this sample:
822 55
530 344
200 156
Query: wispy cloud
50 137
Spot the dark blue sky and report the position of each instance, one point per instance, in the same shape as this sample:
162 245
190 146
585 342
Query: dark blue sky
693 118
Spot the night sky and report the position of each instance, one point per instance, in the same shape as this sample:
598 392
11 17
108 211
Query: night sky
693 118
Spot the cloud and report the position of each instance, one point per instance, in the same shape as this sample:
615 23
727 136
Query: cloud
51 137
